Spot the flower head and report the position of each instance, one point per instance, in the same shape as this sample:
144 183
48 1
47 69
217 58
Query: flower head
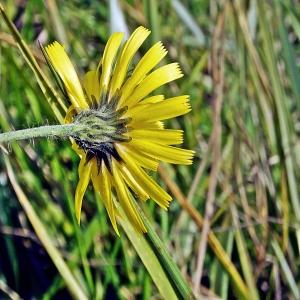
126 135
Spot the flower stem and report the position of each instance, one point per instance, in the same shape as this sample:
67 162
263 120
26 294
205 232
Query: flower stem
62 131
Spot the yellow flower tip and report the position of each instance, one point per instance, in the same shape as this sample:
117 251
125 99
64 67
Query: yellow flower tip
77 209
144 197
189 158
53 45
189 153
178 71
65 70
166 207
166 203
180 137
187 104
172 71
188 162
141 228
142 30
162 47
53 50
128 51
106 62
78 214
156 53
115 227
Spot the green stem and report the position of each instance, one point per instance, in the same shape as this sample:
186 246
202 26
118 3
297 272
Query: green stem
182 287
63 131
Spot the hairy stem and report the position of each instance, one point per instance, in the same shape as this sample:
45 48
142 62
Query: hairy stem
62 131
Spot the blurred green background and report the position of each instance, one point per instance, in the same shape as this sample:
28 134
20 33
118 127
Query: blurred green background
241 64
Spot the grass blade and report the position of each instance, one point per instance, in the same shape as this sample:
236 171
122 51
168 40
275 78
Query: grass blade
148 258
45 239
286 269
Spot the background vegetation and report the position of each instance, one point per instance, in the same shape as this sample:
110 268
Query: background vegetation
234 222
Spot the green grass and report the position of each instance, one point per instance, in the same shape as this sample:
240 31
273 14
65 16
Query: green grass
253 245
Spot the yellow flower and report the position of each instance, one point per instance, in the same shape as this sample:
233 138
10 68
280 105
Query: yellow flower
126 134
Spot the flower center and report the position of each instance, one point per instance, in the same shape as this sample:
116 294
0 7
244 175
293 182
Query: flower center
105 127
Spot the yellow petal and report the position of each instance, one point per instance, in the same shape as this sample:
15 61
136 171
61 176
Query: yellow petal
167 109
154 80
160 136
67 73
135 124
143 160
102 184
168 154
153 99
70 113
161 197
78 150
91 85
125 198
84 171
132 183
128 51
153 56
109 54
